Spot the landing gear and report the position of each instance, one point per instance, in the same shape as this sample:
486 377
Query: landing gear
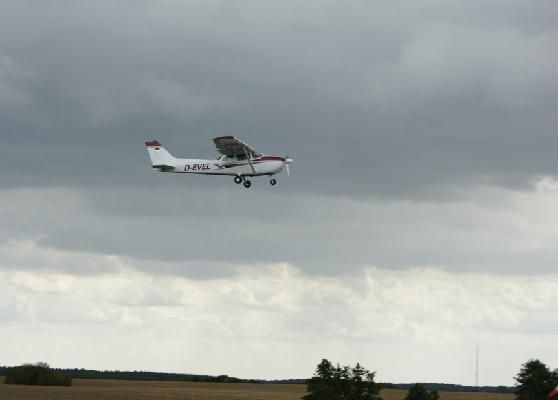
247 183
238 179
273 181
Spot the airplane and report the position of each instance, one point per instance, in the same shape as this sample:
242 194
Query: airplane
237 159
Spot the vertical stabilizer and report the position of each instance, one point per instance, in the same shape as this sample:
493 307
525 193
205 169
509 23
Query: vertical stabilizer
160 157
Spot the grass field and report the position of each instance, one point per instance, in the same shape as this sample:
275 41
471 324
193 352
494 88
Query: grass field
98 389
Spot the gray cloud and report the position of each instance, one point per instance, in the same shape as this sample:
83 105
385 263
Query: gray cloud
384 99
383 102
12 81
206 232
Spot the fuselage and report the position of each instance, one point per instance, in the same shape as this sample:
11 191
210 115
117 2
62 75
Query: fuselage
264 165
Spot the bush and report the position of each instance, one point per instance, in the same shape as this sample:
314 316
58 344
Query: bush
38 374
419 392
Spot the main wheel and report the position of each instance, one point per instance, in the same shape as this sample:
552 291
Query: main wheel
247 183
272 182
238 180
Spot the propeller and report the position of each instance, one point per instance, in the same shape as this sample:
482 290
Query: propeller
287 162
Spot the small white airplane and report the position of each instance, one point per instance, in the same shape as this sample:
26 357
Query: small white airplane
238 160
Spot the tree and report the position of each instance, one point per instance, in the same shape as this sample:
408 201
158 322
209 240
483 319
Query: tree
419 392
335 382
535 381
38 374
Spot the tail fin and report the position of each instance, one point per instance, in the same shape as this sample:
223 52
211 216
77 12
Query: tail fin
160 158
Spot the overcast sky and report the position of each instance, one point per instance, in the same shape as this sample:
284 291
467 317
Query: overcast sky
420 217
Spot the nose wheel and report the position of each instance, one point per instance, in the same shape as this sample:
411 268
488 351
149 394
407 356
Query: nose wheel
247 183
273 182
238 180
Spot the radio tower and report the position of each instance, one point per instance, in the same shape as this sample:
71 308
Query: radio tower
477 366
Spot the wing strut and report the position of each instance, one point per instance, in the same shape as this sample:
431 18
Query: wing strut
249 160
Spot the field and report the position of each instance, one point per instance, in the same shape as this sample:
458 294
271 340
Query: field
85 389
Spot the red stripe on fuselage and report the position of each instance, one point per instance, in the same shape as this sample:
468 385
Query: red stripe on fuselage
270 158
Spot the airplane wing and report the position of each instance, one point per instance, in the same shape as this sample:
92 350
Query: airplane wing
231 146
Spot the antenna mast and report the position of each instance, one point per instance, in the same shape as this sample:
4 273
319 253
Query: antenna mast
477 366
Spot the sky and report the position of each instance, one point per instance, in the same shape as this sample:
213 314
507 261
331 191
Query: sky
419 220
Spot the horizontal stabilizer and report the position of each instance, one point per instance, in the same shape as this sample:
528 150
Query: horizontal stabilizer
164 168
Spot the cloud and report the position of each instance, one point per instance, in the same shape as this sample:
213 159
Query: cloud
445 62
138 93
13 82
255 316
385 99
29 255
205 232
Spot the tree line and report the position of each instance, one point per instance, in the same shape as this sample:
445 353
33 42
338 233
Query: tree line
36 374
330 382
80 373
